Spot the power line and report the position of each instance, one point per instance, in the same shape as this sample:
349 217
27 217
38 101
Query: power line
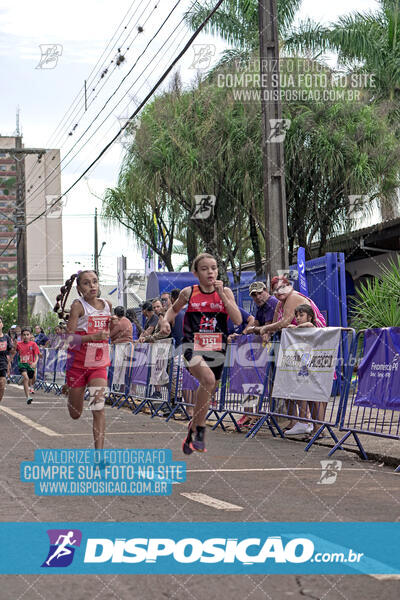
44 182
141 105
13 239
77 97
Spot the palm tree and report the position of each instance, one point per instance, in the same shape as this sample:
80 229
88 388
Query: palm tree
364 41
236 22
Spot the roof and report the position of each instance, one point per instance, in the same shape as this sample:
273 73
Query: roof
109 292
383 233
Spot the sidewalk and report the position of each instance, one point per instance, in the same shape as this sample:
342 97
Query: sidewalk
378 449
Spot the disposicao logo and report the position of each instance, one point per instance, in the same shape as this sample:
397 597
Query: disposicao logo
62 547
190 550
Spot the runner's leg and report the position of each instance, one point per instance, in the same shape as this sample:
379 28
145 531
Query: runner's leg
97 387
2 387
207 385
75 402
25 383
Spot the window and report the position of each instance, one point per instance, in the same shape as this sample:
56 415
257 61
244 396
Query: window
3 167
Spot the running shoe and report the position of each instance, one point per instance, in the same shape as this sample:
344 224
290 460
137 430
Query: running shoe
299 428
198 442
31 390
29 400
187 447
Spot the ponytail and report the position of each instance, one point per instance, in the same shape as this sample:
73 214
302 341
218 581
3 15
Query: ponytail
62 298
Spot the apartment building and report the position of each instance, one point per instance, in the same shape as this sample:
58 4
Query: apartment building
44 236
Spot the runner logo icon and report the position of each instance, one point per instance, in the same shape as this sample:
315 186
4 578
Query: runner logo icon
62 547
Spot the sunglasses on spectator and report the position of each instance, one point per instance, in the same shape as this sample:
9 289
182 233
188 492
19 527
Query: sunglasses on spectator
164 300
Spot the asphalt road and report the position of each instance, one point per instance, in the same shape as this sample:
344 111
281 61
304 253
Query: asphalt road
264 479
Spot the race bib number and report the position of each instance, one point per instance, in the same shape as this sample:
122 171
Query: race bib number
207 342
97 355
96 324
3 346
25 359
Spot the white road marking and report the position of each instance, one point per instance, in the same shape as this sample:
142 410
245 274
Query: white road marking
210 501
384 577
269 469
126 433
29 422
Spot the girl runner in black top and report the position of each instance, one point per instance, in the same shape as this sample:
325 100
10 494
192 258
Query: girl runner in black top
204 338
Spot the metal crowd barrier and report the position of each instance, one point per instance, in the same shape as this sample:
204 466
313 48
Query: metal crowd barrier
138 371
374 417
281 408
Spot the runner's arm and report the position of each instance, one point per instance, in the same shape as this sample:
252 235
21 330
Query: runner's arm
229 301
170 315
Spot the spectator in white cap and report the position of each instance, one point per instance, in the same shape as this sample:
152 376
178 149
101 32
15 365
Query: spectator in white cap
265 303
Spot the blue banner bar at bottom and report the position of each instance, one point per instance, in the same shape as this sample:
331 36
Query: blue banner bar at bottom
200 548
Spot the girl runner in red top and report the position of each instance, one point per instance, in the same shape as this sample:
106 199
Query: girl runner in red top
204 338
88 356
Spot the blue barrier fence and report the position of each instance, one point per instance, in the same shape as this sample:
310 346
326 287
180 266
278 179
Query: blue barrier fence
153 377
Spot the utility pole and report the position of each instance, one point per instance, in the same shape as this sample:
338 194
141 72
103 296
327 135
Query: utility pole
19 154
96 244
275 216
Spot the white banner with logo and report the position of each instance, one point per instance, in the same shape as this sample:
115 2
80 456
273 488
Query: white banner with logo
306 363
159 362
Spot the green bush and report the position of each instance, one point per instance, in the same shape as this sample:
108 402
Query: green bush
377 303
48 322
9 311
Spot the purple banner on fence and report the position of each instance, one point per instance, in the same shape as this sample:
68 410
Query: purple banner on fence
141 363
379 370
40 367
51 359
248 361
188 381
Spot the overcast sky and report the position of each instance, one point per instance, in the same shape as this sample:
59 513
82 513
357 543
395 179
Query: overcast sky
83 31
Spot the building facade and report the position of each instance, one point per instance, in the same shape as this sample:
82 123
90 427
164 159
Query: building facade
44 236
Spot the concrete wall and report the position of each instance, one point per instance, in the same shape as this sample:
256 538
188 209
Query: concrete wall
44 236
358 269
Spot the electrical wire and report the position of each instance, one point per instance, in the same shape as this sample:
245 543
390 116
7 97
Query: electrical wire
43 184
88 82
141 105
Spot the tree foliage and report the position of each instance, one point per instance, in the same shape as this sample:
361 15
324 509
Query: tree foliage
188 144
377 301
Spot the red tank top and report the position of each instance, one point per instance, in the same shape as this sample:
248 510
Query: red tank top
205 321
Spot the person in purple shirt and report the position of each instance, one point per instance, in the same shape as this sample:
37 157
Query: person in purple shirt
265 303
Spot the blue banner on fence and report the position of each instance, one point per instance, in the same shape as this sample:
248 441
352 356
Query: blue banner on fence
301 268
204 548
379 372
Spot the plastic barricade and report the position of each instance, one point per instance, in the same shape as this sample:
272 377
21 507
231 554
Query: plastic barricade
120 374
60 370
307 390
151 375
373 404
50 369
40 369
15 375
